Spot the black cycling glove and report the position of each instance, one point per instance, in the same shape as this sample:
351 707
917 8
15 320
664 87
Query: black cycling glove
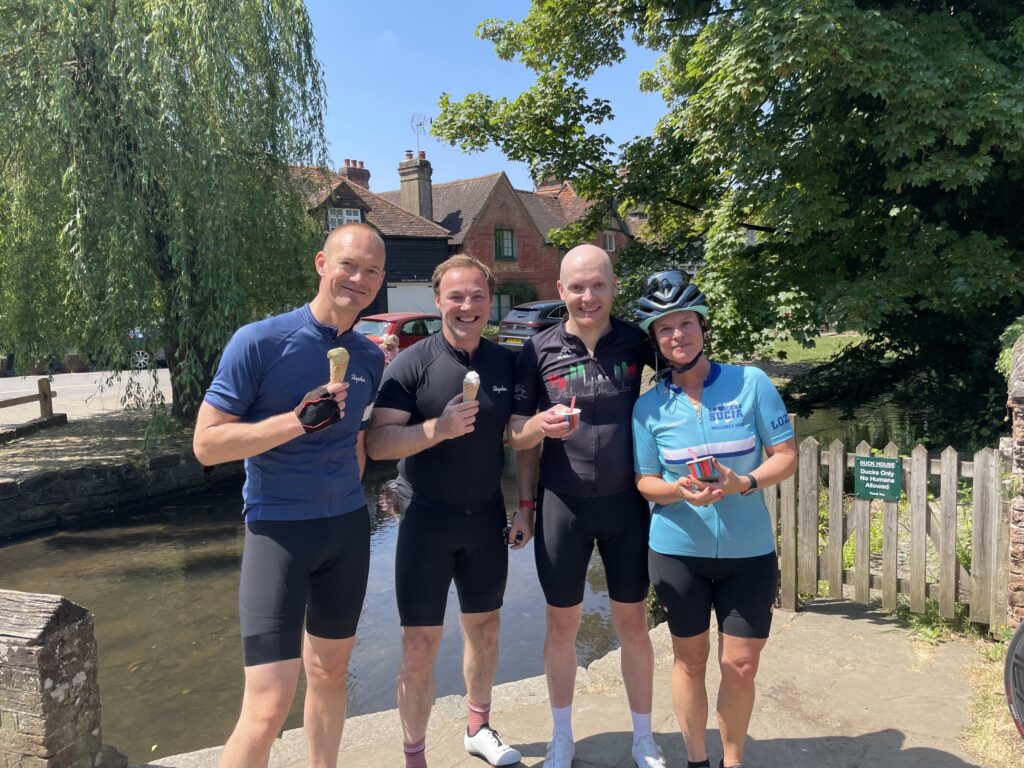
318 410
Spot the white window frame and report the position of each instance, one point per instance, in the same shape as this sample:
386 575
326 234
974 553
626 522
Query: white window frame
338 216
609 242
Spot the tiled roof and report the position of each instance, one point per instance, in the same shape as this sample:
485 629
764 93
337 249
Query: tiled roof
546 213
392 220
456 203
321 186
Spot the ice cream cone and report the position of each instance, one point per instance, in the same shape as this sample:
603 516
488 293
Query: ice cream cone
470 386
338 359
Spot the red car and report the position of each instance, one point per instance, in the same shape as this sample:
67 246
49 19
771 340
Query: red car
409 327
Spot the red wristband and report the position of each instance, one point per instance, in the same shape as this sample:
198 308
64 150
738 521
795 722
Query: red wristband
527 504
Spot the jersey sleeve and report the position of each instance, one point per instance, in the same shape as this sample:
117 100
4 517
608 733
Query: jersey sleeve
646 459
398 386
237 381
773 424
527 382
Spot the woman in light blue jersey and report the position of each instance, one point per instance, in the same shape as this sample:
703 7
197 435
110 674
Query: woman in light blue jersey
711 541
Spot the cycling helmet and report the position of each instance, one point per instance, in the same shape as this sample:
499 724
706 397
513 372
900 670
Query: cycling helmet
668 292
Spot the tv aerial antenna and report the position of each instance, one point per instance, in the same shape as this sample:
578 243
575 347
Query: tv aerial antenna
420 123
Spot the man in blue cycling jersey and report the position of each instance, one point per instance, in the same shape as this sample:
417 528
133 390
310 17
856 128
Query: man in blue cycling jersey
307 529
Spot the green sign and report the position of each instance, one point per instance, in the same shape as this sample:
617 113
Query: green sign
876 477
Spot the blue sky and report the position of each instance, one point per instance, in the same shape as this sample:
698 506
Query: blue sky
388 60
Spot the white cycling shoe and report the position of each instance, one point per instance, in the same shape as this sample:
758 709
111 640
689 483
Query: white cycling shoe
647 753
560 752
488 745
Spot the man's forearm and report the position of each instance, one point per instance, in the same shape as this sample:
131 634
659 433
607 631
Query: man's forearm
525 435
396 441
236 440
527 472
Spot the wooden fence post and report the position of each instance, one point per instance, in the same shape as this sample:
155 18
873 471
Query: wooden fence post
807 543
45 398
787 539
837 529
948 571
862 531
890 544
918 528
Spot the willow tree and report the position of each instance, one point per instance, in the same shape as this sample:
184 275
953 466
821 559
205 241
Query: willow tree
144 175
875 148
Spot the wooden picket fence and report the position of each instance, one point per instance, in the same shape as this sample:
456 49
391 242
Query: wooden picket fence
814 515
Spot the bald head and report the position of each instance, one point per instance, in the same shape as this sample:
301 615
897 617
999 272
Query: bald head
585 257
343 234
586 283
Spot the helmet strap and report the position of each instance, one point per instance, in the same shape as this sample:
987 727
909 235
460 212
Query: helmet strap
689 365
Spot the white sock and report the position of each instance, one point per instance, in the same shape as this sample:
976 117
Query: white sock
641 725
561 721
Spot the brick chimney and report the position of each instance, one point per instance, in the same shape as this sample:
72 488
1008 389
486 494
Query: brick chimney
417 196
354 171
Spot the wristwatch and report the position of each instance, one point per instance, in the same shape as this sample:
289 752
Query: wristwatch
753 485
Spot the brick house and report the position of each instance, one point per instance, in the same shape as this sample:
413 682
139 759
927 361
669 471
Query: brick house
506 228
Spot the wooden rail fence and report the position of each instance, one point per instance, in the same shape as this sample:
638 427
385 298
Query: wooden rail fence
44 398
818 523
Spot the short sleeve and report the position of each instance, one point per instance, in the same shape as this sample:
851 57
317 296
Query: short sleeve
237 381
646 460
398 387
773 424
527 382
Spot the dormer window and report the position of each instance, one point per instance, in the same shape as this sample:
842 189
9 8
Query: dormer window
338 216
609 242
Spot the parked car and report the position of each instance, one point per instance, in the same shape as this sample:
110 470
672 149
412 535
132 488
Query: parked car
524 320
409 327
143 354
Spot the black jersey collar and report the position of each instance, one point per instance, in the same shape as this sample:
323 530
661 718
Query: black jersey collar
460 354
567 338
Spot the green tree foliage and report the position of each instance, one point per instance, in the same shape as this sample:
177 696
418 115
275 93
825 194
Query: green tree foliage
874 147
144 182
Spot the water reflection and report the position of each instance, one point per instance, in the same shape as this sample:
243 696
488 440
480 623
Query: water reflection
163 586
876 423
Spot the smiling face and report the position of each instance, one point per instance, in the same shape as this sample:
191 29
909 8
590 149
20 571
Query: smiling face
679 336
351 269
464 301
586 283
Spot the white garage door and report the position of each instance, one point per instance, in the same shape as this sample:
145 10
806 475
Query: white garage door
411 297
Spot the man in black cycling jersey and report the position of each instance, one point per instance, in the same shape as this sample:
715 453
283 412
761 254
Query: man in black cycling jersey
449 492
587 492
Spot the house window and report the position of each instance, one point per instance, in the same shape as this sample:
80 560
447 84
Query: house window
504 244
609 242
338 216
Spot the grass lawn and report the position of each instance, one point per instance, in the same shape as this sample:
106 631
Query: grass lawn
823 348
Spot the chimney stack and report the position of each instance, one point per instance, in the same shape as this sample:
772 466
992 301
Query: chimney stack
353 171
416 193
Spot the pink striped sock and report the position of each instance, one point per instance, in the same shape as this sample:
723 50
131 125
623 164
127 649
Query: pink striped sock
479 715
415 754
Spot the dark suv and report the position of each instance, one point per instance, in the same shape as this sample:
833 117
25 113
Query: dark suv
527 319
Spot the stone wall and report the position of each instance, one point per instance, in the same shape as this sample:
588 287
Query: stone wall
49 695
69 498
1015 405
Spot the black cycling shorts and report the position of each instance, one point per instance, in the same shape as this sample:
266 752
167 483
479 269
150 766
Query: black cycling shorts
742 591
437 545
567 529
295 569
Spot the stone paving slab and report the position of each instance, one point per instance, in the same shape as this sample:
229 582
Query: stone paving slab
838 687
